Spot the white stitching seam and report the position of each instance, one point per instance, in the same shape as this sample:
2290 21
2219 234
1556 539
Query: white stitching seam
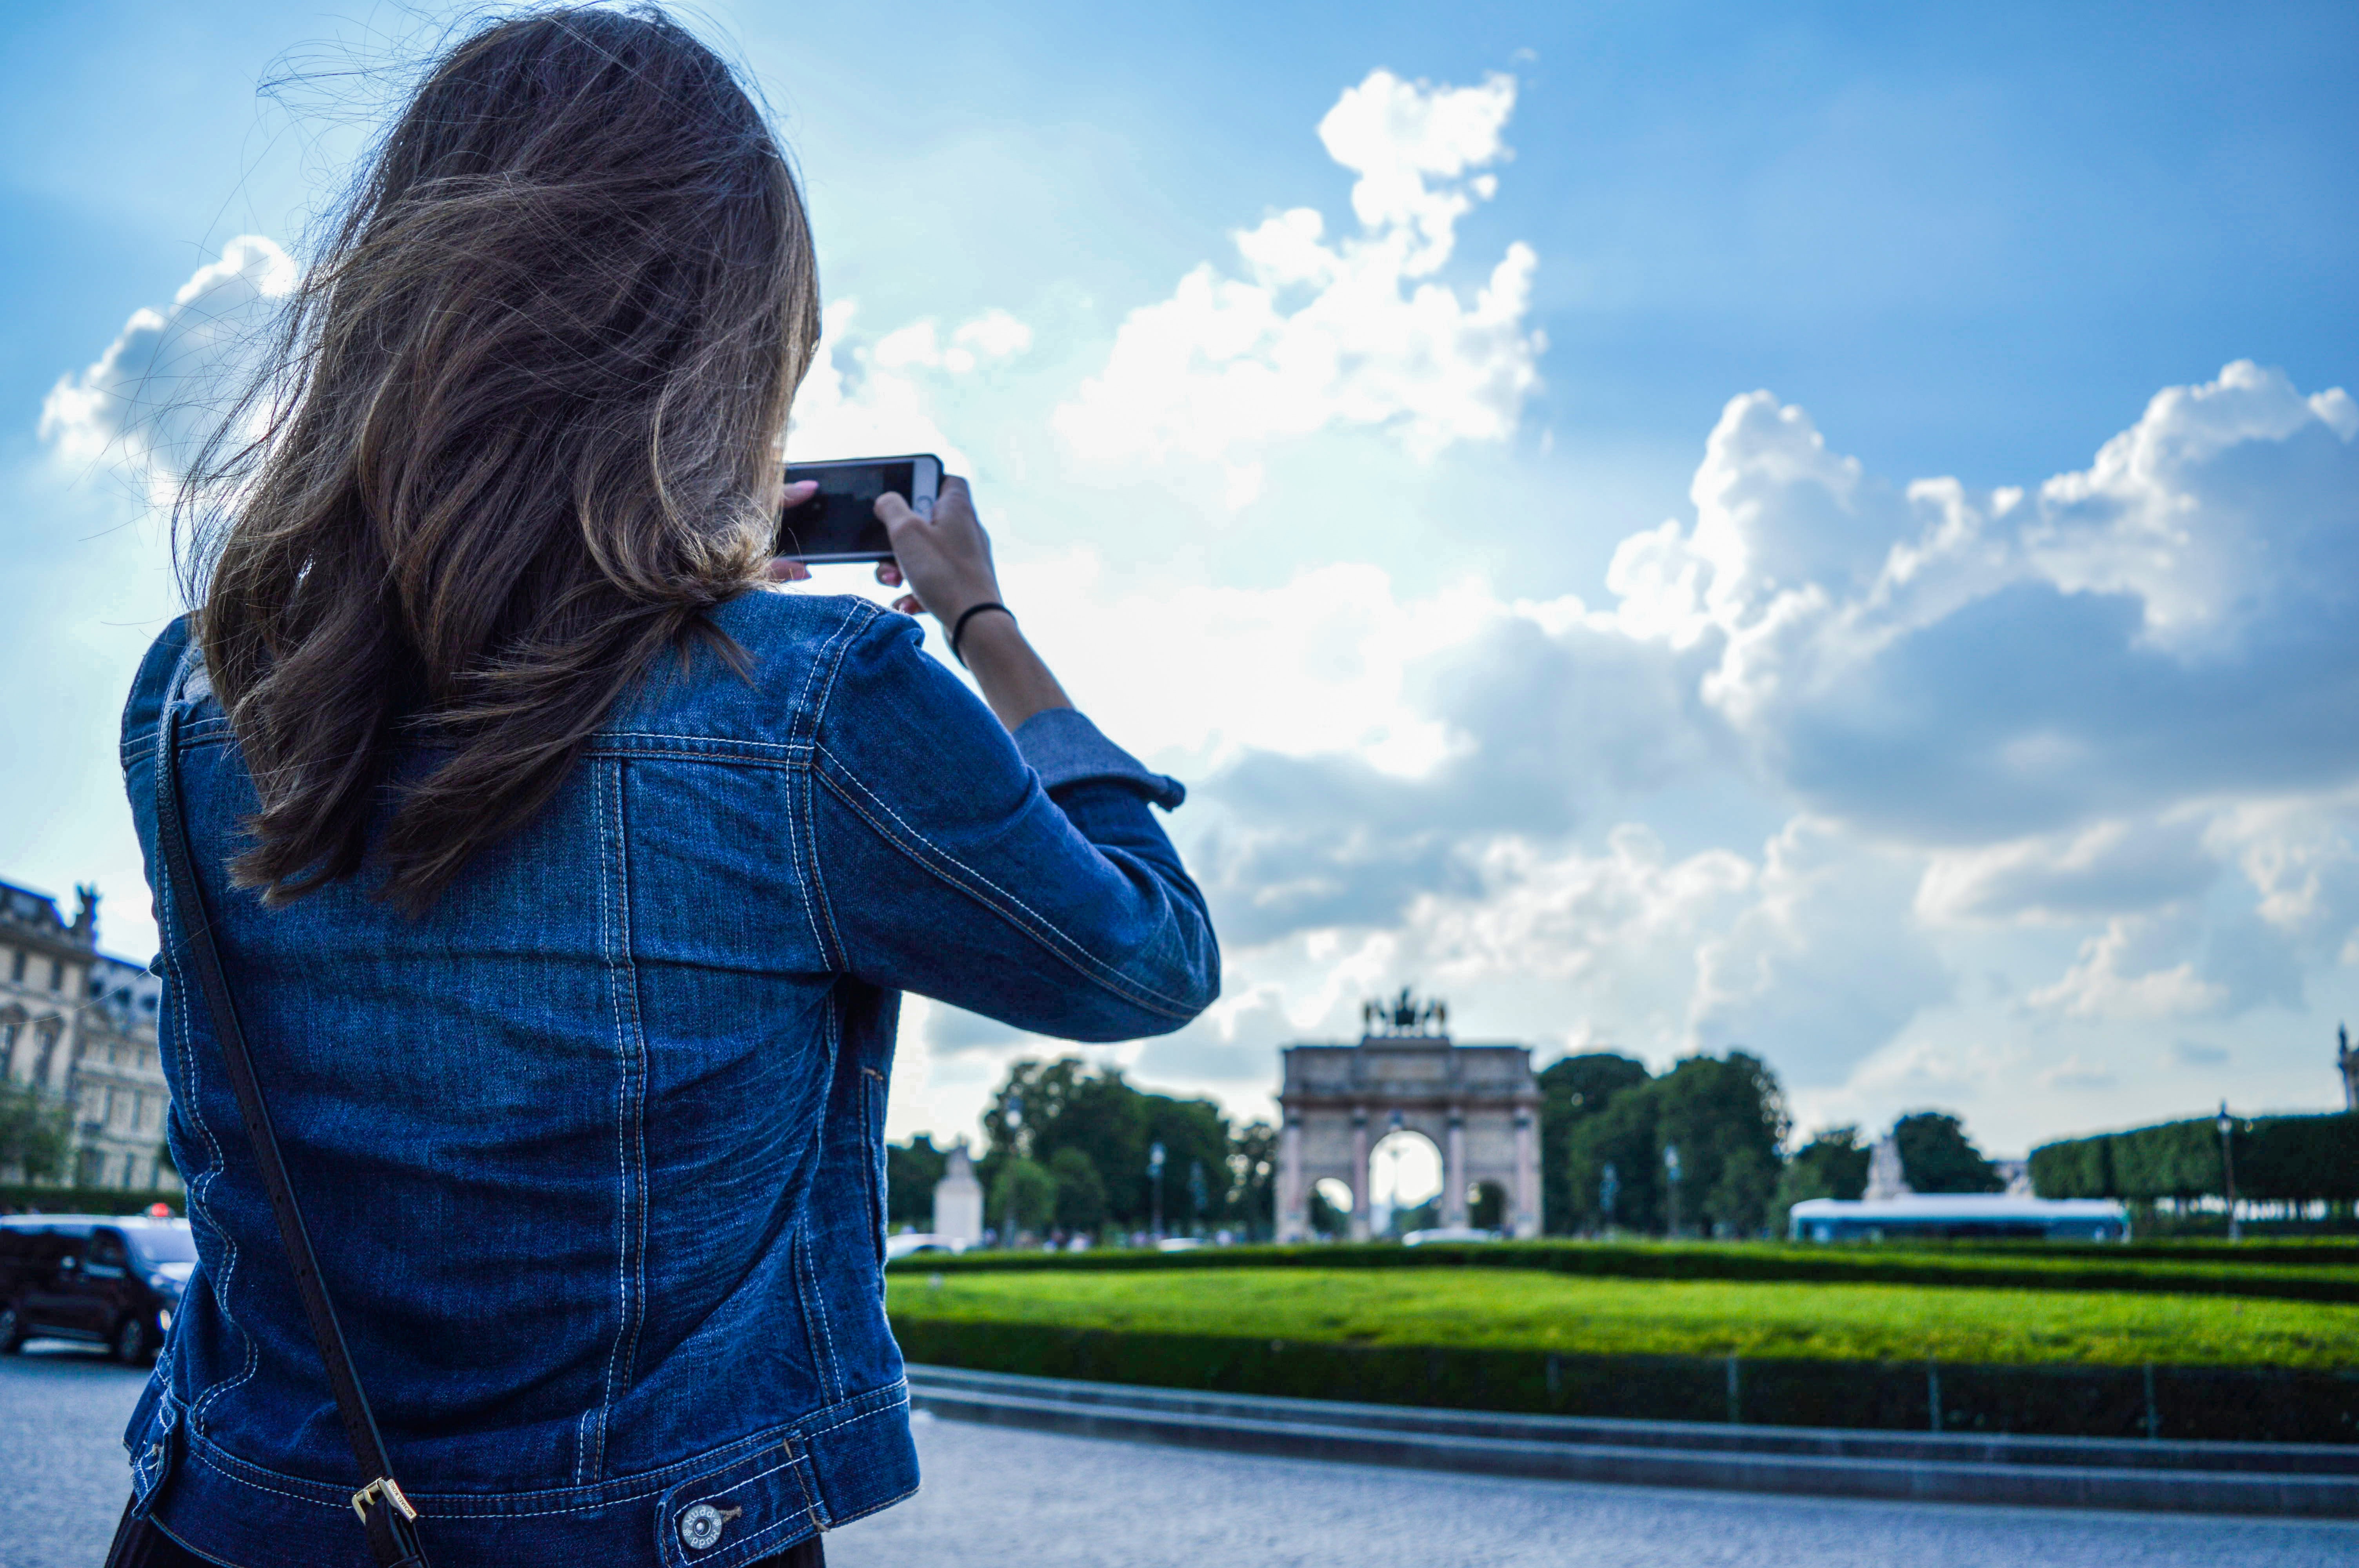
815 893
873 1508
605 944
727 742
819 1296
202 1192
229 1465
805 877
708 1496
636 1313
854 620
815 889
341 1504
863 1415
622 1169
1114 979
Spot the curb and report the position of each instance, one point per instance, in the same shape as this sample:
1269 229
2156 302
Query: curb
2316 1481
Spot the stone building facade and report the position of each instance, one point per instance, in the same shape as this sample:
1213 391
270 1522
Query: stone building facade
80 1027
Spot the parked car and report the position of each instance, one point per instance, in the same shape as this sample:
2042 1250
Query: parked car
910 1243
1448 1233
102 1281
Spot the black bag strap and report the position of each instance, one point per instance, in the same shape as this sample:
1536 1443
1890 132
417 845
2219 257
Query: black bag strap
384 1512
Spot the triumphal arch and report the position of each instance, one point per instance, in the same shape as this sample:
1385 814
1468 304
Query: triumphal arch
1478 1103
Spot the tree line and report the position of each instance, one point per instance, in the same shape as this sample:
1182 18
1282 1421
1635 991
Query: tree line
2279 1158
1699 1150
1071 1147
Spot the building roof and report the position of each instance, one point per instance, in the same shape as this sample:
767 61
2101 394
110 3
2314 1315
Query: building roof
22 906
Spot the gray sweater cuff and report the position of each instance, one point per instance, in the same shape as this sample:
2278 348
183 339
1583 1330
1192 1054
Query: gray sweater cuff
1065 748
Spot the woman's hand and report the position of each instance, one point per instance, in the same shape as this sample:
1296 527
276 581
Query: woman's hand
785 569
944 560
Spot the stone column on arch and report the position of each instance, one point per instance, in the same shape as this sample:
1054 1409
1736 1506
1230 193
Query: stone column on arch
1454 1171
1525 1220
1360 1197
1293 1203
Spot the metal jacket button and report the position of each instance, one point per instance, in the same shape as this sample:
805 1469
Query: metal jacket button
699 1525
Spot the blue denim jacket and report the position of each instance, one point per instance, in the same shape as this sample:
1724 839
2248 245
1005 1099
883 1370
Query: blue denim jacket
592 1153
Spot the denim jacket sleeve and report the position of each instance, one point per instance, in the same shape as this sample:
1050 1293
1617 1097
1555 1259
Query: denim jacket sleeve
1021 878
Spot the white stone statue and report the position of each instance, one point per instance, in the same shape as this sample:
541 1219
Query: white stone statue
1884 1177
958 1200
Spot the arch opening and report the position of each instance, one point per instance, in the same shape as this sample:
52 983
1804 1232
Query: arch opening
1331 1208
1486 1206
1404 1184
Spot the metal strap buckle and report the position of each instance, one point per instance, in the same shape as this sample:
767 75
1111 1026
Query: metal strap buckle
383 1490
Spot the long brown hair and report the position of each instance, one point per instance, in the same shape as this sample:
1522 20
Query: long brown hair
509 447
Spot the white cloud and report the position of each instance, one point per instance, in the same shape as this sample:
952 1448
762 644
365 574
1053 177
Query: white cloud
1353 332
2167 624
2109 867
153 396
2156 518
862 398
1824 966
2113 979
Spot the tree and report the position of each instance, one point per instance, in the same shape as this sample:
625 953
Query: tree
1026 1188
1621 1136
1831 1165
1937 1157
1080 1203
36 1131
1068 1104
1714 1111
1738 1202
1194 1134
911 1171
1572 1089
1252 1178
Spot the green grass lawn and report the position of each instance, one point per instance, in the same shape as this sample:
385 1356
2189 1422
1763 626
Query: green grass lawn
1499 1308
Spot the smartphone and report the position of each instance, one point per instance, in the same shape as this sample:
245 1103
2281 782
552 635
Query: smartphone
840 523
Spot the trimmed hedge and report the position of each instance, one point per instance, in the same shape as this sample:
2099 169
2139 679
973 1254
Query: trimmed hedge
19 1197
2279 1159
2207 1403
2285 1272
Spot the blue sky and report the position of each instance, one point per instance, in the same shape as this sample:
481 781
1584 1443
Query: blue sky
1515 646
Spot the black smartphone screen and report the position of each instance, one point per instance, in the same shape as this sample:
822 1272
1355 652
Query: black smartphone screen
839 522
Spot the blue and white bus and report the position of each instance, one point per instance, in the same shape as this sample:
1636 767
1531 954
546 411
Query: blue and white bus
1958 1216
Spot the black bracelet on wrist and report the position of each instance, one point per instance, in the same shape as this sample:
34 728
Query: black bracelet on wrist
958 628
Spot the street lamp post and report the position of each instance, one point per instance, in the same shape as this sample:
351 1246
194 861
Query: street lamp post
1154 1186
2228 1163
1671 1187
1014 1182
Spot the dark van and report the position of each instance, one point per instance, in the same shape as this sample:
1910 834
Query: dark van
115 1282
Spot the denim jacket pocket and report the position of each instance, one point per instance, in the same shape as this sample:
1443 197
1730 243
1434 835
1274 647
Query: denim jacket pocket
740 1512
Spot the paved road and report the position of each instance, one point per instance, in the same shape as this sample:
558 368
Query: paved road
62 1473
1027 1500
